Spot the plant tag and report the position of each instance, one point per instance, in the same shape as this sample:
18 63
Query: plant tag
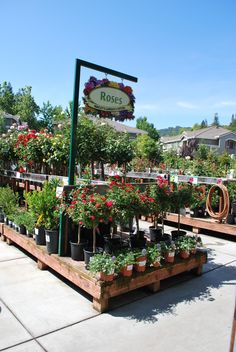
59 192
171 254
129 267
47 238
36 231
143 263
18 174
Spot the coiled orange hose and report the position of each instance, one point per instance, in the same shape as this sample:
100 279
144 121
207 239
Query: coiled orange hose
226 202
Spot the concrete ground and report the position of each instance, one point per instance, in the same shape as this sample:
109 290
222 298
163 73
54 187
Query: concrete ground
40 312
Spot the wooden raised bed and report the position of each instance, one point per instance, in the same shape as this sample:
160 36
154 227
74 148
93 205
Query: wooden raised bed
99 290
200 223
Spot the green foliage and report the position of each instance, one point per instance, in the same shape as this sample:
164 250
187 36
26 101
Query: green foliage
153 253
7 98
50 114
44 205
8 200
147 148
102 263
26 107
125 258
167 247
143 124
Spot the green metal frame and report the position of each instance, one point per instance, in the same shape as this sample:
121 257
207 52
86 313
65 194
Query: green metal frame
64 223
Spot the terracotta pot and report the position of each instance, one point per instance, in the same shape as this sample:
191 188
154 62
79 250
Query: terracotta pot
193 251
127 270
184 254
169 257
156 264
141 264
106 277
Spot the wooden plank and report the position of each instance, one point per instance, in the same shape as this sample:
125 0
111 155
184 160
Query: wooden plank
100 291
208 224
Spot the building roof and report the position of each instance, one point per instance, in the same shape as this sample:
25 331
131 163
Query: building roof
119 127
212 132
6 116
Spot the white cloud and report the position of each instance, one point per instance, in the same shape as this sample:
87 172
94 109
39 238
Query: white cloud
186 105
147 107
226 103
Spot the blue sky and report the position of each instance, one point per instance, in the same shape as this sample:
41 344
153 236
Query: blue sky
182 51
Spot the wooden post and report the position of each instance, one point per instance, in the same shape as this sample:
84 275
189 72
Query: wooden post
155 286
41 265
197 271
101 305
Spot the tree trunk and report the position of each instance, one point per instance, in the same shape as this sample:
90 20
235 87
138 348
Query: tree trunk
79 232
94 239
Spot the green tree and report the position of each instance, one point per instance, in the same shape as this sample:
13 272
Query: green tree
26 107
216 120
7 98
143 124
146 147
51 114
204 123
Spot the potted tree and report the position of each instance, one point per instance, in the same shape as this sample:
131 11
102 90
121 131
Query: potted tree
198 202
180 198
8 202
161 193
93 209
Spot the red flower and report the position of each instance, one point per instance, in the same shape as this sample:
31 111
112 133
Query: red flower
109 203
110 219
81 222
73 202
72 206
97 205
92 217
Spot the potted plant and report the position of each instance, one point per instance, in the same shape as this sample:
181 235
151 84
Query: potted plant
168 250
74 211
129 203
154 255
103 265
198 201
140 257
89 210
161 193
20 219
8 202
29 222
125 261
180 198
45 206
183 245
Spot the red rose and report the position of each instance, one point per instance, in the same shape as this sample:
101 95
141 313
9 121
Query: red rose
92 217
109 203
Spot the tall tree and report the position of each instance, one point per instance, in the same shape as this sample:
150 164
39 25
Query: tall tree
7 98
204 123
50 114
216 120
26 107
143 124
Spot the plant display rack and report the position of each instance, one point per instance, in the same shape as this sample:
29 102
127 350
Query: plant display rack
198 224
99 290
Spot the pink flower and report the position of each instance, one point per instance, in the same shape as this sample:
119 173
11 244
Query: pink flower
109 203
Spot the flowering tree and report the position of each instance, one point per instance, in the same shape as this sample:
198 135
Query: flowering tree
89 209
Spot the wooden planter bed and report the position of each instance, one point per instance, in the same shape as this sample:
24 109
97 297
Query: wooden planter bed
101 291
200 223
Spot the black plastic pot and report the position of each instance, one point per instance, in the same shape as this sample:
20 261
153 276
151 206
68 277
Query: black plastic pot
112 244
88 254
51 237
22 230
28 234
155 234
40 236
77 250
138 241
175 234
230 219
1 217
6 220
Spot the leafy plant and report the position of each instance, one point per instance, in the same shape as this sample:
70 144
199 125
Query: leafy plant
102 263
167 247
8 200
125 258
153 253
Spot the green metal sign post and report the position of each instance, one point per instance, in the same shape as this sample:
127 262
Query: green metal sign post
63 232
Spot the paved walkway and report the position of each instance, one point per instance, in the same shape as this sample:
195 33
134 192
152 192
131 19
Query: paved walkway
39 312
